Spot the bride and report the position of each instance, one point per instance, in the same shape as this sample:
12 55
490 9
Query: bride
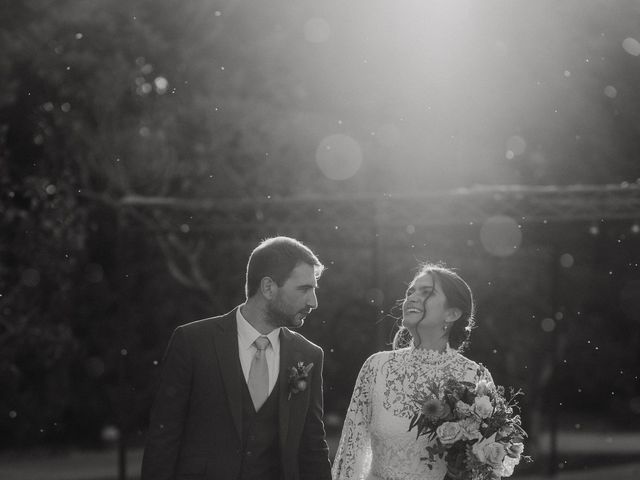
437 314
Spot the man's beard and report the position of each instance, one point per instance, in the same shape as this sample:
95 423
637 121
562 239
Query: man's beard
279 317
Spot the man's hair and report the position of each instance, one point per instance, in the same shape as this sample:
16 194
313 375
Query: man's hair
276 258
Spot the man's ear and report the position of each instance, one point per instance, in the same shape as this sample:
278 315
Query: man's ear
268 288
453 314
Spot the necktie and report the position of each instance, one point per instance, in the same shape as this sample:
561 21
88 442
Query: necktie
258 381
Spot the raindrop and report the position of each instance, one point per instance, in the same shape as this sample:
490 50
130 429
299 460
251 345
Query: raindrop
184 228
110 433
217 13
339 156
594 230
48 107
548 325
375 296
144 131
635 228
631 46
566 260
411 229
13 414
317 30
146 69
145 88
161 84
500 235
65 107
610 91
123 352
567 73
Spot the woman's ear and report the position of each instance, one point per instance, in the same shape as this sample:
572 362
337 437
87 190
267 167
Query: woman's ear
268 288
453 314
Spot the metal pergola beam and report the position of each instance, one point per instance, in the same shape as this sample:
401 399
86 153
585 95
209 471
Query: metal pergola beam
452 207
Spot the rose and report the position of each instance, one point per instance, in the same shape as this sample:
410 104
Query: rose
508 464
434 409
463 408
489 451
298 378
484 388
506 431
482 406
449 432
514 450
470 427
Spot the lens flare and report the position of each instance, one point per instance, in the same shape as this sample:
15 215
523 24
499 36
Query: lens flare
317 30
500 236
339 157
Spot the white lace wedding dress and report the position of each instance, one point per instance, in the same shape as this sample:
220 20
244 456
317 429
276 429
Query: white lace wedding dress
375 442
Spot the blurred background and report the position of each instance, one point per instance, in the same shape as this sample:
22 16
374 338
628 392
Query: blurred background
146 147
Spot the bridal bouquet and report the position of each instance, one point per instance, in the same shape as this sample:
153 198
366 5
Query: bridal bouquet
475 428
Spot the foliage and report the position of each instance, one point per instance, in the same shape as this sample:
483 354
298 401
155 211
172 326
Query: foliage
104 102
473 426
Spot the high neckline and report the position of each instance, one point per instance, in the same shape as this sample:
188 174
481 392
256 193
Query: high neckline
431 356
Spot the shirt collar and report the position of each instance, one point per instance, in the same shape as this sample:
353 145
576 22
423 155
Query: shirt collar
247 334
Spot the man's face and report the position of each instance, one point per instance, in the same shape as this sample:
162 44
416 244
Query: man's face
295 298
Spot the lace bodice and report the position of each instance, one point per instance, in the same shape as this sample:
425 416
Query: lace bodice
375 442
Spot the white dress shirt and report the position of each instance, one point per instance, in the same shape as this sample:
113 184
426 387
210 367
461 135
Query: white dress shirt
247 350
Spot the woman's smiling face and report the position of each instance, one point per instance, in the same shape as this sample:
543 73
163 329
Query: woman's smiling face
425 304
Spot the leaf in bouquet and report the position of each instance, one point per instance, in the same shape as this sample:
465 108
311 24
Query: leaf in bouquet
414 421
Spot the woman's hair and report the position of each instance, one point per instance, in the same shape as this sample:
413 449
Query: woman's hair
458 295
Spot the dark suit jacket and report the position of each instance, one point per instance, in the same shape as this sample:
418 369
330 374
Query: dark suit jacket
196 420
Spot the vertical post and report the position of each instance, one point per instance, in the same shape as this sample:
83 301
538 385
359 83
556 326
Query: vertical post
122 356
378 262
122 441
555 361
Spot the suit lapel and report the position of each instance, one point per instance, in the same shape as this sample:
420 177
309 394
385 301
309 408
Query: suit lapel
226 341
286 362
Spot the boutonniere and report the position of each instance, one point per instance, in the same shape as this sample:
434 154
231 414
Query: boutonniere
298 378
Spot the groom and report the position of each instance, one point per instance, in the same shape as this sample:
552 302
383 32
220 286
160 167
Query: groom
240 395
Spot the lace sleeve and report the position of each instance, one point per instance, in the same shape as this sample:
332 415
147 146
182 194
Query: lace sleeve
485 374
353 458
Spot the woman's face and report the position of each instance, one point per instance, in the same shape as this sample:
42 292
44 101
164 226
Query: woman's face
425 305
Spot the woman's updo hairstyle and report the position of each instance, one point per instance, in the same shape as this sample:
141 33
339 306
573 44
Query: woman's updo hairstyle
458 295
